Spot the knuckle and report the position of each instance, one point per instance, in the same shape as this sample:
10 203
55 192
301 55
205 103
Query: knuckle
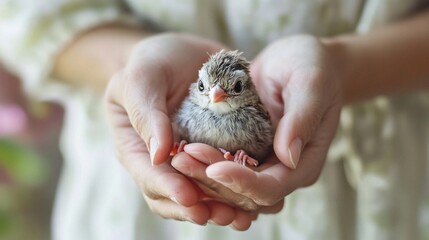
139 122
151 189
311 120
149 192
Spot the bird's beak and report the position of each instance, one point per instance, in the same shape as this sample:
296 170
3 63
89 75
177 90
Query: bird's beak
217 94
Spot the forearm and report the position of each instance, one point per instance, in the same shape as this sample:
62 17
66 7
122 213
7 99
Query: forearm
94 56
391 60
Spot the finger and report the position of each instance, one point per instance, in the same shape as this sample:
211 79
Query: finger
197 171
302 116
204 153
242 221
158 182
254 216
314 155
145 107
198 213
171 185
220 213
265 188
273 209
269 186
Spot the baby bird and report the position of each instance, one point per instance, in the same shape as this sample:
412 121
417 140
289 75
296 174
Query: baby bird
224 110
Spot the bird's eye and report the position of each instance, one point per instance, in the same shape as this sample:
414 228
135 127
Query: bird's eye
200 86
238 87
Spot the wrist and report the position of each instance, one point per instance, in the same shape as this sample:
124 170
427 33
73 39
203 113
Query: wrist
348 61
389 60
94 56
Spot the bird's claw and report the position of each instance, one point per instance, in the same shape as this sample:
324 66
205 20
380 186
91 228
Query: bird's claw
178 147
227 155
239 157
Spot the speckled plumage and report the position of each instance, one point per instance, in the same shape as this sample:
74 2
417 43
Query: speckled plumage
239 122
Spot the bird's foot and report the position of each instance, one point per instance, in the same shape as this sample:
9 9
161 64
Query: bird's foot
178 147
239 157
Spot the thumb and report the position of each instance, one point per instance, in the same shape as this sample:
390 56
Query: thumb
146 109
152 123
301 119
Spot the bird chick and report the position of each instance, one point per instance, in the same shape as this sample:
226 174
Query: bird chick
224 110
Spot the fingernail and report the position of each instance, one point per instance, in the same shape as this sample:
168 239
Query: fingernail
153 147
174 199
295 152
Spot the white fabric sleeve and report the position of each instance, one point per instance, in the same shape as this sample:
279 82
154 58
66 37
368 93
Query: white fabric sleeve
379 12
33 32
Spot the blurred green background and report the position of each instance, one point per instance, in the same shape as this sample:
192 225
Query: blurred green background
29 162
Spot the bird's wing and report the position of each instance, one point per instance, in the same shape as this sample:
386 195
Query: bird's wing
264 112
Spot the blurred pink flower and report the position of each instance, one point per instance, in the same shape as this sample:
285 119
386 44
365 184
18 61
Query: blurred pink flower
13 119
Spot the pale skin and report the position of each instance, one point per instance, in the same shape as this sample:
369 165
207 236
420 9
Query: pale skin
302 80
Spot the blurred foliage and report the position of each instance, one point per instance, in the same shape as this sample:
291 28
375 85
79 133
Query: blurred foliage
23 165
5 222
30 163
22 173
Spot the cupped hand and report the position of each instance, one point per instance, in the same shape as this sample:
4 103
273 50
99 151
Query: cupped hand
140 100
298 83
230 182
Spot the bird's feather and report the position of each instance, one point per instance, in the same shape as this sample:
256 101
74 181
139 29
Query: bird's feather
240 122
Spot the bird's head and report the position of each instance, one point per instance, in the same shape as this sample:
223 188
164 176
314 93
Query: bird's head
224 83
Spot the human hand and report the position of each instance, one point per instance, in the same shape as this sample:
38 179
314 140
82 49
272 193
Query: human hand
200 157
297 82
140 100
